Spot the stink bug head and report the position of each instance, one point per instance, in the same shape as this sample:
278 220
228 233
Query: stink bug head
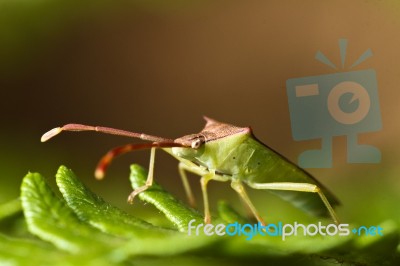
192 146
212 132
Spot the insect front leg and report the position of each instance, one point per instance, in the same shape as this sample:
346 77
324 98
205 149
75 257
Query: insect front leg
239 188
203 181
206 176
301 187
149 181
189 194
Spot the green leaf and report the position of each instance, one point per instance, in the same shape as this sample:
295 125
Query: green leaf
86 230
144 238
49 218
229 215
94 210
15 251
377 249
10 208
175 211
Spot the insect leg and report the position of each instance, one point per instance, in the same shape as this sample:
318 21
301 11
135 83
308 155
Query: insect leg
239 188
182 168
302 187
206 176
203 181
149 181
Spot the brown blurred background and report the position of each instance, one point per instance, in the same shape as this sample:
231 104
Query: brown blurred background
157 67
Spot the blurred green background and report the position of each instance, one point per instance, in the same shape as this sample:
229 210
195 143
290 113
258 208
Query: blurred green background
158 67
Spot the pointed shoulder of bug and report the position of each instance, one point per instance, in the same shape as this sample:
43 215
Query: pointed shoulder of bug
213 130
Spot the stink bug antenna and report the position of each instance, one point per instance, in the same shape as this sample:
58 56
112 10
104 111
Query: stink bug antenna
107 130
106 160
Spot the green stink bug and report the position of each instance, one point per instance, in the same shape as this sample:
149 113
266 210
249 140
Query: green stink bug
224 152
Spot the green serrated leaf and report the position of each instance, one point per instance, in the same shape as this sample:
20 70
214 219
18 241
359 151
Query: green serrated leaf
49 218
70 226
175 211
94 210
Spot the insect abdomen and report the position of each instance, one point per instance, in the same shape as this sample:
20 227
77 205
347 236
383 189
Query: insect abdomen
267 166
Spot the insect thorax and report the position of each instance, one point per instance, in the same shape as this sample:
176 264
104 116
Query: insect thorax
226 155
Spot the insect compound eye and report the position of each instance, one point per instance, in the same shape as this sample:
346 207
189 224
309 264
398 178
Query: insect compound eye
197 143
